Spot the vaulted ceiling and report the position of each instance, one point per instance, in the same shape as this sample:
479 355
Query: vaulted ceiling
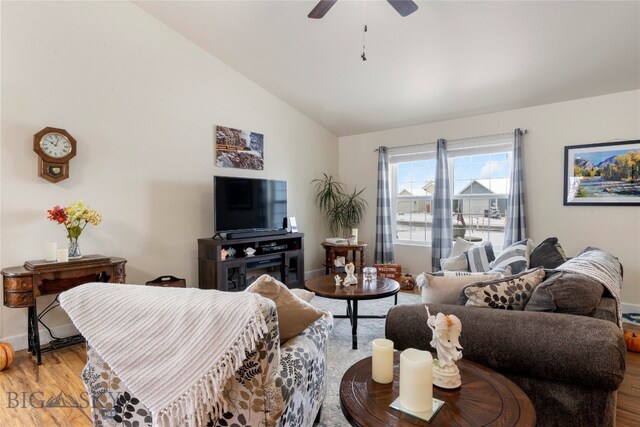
449 59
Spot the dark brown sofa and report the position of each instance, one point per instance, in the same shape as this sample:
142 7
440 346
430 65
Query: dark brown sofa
570 366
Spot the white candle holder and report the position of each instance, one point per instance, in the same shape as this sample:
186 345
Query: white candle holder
416 380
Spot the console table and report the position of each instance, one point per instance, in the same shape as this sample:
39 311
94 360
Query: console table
332 251
22 285
280 256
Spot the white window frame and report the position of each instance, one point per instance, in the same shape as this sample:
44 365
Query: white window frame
456 148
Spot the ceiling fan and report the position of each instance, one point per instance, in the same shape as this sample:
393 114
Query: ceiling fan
403 7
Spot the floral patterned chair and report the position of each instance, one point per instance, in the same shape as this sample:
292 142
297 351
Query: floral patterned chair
275 386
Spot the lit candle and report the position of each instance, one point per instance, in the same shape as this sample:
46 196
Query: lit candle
416 380
63 255
52 247
382 361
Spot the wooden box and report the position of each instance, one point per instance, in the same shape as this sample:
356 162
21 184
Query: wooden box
392 271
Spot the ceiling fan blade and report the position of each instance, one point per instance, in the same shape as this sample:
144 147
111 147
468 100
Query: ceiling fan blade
321 9
403 7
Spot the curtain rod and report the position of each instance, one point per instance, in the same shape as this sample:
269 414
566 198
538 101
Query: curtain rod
462 139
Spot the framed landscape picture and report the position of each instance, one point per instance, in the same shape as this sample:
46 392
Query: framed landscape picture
237 148
602 174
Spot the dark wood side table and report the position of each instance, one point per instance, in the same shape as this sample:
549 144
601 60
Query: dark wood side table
485 398
22 285
381 287
333 251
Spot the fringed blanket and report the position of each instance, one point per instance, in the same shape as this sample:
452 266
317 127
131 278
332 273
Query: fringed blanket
602 267
175 348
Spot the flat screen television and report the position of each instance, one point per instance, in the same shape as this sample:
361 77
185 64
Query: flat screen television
248 204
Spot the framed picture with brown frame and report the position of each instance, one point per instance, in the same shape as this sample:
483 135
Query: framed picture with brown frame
604 174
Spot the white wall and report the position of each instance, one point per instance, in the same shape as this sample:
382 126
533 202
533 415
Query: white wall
550 128
143 103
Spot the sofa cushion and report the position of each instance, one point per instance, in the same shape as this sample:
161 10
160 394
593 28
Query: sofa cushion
444 287
455 263
480 257
509 293
460 246
566 292
548 254
294 314
516 256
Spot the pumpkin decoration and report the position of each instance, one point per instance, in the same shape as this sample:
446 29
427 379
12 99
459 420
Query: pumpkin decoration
632 340
407 282
6 355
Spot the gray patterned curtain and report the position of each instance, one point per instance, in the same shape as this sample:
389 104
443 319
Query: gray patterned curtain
384 238
441 233
515 230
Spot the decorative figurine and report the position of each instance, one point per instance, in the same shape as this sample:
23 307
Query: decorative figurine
339 261
338 281
352 278
231 252
249 251
446 340
223 254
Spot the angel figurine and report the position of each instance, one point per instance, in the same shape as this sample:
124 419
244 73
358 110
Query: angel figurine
446 330
351 278
338 281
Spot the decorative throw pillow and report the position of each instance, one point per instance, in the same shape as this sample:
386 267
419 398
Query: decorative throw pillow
444 287
455 263
548 254
460 246
479 258
303 294
294 314
566 292
516 256
509 293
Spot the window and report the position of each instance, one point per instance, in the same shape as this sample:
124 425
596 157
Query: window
479 176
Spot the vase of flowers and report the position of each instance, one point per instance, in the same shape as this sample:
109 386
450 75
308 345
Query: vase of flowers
75 218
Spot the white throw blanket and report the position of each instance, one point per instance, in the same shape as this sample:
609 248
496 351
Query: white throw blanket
174 348
602 267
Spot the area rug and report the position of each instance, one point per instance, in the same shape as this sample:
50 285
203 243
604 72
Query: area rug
340 356
631 318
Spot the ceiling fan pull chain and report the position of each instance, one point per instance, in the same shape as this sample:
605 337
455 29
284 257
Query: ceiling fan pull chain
363 56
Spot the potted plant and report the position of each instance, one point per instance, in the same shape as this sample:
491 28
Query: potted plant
460 227
343 210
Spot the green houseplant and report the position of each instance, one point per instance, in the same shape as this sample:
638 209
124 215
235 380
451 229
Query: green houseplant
343 210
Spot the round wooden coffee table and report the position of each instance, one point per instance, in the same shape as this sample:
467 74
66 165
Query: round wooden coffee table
485 398
380 287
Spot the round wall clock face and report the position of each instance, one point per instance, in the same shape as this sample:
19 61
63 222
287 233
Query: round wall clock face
56 145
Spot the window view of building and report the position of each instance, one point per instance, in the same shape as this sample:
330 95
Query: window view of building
480 189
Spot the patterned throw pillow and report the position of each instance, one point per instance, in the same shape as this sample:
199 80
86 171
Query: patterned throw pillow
516 256
479 258
508 293
444 287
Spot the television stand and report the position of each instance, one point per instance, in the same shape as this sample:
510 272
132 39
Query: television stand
280 256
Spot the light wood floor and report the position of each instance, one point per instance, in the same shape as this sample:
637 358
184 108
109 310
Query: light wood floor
26 388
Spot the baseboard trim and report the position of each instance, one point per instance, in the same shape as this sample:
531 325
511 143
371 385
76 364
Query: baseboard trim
630 308
20 342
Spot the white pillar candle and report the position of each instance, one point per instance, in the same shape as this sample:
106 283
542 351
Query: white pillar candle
382 361
416 380
52 247
354 235
63 255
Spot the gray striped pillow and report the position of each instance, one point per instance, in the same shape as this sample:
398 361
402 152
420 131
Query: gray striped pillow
516 256
480 257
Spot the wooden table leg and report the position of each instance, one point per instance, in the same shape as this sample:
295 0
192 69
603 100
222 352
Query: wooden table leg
354 325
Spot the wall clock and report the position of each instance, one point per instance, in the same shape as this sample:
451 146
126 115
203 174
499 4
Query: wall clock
54 147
